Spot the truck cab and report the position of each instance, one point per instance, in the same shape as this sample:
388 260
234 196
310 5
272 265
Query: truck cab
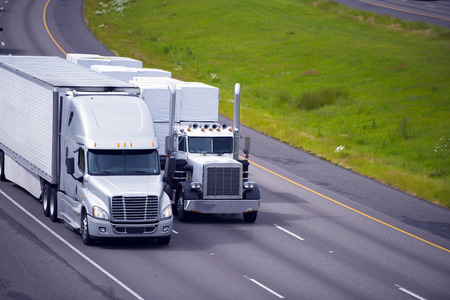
204 175
111 185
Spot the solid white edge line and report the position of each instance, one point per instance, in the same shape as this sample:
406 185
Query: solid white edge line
409 292
176 232
72 247
264 287
288 232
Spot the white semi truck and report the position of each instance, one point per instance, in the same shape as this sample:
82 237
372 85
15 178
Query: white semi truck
84 143
203 171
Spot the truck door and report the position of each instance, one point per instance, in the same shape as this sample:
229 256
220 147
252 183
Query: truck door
74 182
74 170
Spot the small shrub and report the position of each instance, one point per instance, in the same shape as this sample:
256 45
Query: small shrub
316 99
404 131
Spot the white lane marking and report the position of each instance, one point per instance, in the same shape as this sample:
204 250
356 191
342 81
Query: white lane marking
175 232
72 247
409 292
3 44
264 287
431 6
288 232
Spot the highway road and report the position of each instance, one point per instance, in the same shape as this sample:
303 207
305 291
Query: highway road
322 233
434 12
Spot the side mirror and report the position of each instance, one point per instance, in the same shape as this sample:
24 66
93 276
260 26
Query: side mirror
170 167
70 164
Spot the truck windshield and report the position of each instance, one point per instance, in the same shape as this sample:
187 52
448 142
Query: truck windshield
218 145
123 162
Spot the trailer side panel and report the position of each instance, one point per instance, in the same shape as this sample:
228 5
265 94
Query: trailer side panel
26 123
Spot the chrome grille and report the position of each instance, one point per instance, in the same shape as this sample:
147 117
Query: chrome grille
223 181
134 208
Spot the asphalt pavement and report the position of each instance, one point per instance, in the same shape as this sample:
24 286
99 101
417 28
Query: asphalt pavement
323 232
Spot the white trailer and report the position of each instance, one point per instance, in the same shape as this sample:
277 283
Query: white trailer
85 144
88 60
126 73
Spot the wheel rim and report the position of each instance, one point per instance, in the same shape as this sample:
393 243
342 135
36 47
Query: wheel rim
52 206
84 227
180 204
45 199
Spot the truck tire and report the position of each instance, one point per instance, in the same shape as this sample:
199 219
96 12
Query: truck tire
46 190
53 208
250 217
2 166
84 229
183 215
165 240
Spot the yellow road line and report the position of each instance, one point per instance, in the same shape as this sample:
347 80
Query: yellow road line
48 31
348 207
404 10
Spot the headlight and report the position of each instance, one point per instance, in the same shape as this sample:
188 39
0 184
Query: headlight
166 212
249 185
196 185
99 213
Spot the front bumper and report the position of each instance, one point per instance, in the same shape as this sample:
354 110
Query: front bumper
221 206
105 229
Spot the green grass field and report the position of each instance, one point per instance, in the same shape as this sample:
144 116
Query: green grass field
367 92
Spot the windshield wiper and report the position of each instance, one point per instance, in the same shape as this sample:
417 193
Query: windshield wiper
198 150
139 172
102 172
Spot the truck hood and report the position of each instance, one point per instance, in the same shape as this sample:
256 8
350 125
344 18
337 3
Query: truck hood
129 186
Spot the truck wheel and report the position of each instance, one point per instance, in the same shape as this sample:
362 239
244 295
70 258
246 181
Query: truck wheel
183 215
165 240
169 192
2 166
84 229
53 212
46 190
250 217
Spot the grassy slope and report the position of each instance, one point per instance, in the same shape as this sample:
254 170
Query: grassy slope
315 75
